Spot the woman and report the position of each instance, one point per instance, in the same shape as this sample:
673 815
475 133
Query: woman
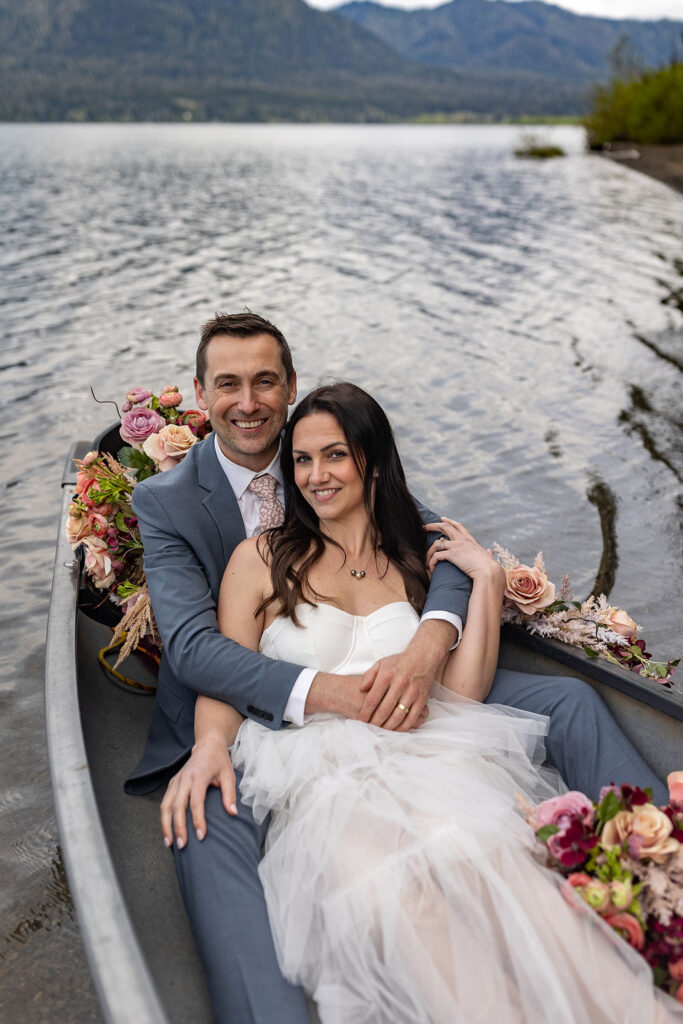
399 877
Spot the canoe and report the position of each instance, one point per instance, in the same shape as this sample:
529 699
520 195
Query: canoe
135 932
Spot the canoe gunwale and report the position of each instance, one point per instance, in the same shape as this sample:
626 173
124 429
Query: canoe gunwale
618 678
124 986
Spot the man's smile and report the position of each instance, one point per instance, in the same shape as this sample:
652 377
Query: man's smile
249 424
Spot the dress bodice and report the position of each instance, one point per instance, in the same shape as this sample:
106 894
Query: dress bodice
333 640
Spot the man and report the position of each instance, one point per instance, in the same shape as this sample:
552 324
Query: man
191 519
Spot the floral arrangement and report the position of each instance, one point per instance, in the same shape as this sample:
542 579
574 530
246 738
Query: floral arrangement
624 858
602 630
101 520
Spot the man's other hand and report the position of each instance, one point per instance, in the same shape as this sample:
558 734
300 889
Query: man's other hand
209 765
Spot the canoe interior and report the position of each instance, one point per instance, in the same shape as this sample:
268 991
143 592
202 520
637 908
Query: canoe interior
115 725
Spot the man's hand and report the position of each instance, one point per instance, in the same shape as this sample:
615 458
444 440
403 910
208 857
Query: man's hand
406 679
340 695
209 765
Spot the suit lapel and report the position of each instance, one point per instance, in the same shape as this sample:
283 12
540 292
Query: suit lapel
220 501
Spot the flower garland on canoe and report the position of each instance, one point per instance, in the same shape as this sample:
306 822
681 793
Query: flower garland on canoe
623 857
158 434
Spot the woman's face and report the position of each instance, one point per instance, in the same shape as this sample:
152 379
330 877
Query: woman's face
324 469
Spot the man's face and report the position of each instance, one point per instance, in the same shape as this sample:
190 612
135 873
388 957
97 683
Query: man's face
246 394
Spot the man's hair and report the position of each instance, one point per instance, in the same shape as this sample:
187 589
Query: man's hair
241 325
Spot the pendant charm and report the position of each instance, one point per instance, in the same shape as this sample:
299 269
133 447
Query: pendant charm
358 575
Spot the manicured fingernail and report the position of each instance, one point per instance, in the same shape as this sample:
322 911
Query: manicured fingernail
233 808
199 834
167 842
180 843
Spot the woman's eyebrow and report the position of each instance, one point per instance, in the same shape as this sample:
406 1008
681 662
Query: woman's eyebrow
334 444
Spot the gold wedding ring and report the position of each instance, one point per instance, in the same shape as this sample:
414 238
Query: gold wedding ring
403 708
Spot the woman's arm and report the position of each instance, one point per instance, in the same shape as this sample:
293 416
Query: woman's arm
470 668
216 723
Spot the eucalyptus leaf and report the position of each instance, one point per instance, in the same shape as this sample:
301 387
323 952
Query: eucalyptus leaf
590 652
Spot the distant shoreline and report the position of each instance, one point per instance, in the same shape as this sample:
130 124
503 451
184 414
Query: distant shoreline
665 163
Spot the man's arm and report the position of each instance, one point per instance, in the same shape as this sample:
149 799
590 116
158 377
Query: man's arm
407 678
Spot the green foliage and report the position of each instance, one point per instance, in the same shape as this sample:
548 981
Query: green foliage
132 458
647 108
545 832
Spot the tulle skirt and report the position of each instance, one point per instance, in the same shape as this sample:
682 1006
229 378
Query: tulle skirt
401 879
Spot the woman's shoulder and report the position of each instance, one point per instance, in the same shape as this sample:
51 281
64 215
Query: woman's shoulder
250 554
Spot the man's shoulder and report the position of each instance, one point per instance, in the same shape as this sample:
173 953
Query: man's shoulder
179 480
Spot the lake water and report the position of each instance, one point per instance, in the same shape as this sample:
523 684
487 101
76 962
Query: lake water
521 322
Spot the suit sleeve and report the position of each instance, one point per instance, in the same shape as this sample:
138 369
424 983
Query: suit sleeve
450 587
197 652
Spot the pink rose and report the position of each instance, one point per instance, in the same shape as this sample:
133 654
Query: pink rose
679 993
622 623
138 424
169 445
169 389
676 969
674 781
195 419
529 589
169 399
560 810
578 878
630 925
76 529
83 481
98 563
89 458
98 524
137 396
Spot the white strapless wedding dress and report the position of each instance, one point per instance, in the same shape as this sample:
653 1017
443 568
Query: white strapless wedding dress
399 875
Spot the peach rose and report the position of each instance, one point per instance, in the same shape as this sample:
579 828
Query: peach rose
530 589
622 623
648 826
98 563
169 445
630 925
679 993
674 781
676 969
76 529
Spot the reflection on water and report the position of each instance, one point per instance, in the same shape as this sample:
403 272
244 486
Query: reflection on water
521 323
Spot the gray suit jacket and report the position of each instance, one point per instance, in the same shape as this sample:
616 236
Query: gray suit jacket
190 524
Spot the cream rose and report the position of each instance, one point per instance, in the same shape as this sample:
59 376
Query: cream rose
529 589
648 826
622 623
169 445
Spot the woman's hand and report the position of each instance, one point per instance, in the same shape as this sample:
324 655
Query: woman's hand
459 547
209 765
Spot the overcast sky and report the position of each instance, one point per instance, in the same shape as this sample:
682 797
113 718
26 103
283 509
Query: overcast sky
604 8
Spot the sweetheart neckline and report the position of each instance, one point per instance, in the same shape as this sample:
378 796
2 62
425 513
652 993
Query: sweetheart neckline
340 611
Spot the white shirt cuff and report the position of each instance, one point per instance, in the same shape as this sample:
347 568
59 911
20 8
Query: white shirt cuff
454 620
294 708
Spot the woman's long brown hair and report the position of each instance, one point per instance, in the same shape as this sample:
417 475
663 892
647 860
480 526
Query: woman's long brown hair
295 547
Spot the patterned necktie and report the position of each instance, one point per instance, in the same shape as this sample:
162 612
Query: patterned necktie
271 512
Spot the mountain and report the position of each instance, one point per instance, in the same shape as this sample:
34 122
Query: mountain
259 60
526 36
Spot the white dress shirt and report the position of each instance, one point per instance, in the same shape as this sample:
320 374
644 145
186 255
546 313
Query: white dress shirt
239 479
